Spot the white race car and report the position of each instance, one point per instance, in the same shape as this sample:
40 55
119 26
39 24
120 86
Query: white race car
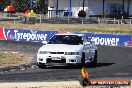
67 48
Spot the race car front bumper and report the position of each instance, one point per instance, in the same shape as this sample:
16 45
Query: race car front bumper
67 59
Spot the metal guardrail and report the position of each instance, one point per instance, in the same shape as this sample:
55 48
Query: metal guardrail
114 21
66 20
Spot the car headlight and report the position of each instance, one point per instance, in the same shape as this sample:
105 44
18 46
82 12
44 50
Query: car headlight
71 53
43 52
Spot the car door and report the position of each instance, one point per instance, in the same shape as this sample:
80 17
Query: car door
89 49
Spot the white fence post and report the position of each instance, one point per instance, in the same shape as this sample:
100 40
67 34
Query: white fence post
14 20
130 21
98 20
82 20
68 19
40 18
114 20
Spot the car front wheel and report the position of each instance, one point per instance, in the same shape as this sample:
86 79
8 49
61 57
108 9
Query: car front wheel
94 62
42 66
83 59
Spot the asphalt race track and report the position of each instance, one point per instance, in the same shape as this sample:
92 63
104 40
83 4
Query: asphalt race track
113 63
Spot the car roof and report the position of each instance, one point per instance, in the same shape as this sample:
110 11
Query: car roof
69 33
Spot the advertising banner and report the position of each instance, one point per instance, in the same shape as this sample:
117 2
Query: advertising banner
39 36
2 36
110 40
26 35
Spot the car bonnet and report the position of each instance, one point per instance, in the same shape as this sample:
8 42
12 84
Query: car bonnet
61 48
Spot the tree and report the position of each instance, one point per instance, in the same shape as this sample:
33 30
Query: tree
39 6
20 5
4 3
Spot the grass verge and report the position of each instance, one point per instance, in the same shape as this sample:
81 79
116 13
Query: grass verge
12 59
92 28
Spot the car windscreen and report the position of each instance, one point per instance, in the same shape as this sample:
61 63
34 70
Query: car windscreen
66 39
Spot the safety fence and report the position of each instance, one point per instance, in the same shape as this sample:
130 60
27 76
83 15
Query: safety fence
39 36
40 18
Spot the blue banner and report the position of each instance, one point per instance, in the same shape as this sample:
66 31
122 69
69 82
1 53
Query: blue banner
110 40
39 36
27 35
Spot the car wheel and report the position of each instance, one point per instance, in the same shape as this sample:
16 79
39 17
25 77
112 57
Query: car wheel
95 58
42 66
85 82
83 59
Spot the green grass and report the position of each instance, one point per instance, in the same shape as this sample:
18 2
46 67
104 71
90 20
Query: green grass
11 59
92 28
105 31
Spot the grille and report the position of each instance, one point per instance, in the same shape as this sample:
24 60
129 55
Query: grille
49 60
56 52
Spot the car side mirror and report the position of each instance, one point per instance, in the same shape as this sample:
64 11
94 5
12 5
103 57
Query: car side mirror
44 42
87 43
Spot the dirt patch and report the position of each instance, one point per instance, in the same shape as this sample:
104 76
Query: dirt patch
13 59
66 84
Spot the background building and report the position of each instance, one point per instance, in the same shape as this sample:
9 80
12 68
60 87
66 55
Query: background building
93 8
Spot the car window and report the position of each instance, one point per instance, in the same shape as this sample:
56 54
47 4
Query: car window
66 39
87 40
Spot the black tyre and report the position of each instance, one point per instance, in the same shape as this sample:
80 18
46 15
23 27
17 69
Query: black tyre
83 59
95 58
85 82
42 66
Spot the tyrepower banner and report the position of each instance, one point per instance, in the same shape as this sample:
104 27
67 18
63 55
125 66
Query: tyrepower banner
2 36
111 40
25 35
39 36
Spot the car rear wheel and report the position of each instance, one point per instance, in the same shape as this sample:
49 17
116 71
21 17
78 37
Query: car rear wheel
94 62
83 59
85 82
42 66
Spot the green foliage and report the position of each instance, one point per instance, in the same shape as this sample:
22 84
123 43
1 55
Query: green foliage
4 3
20 5
40 6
